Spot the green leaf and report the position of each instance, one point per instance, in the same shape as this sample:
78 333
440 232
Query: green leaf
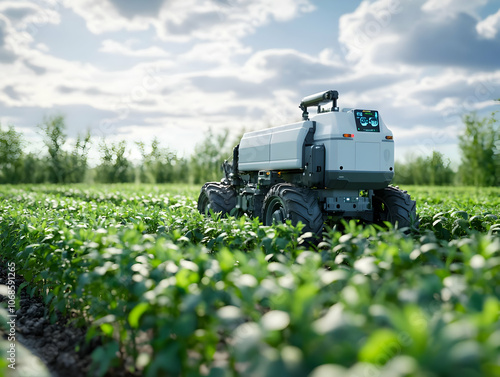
166 361
136 313
107 329
381 346
104 357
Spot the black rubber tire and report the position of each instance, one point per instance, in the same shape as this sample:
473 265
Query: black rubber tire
395 206
216 197
287 202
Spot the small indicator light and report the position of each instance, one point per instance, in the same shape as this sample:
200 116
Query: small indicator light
348 135
389 137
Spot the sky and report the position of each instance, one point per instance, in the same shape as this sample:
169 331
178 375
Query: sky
176 69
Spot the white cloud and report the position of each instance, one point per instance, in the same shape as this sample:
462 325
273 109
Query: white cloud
102 16
20 21
7 54
419 33
147 95
447 7
488 28
220 52
113 47
371 23
290 67
28 16
183 20
42 47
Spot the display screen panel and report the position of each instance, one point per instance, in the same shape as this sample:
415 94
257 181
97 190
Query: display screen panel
367 120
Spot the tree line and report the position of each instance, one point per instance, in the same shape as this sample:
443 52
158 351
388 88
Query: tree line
479 147
62 162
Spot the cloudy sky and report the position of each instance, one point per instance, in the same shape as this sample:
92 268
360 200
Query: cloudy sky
131 69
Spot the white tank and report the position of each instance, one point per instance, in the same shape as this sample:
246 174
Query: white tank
277 148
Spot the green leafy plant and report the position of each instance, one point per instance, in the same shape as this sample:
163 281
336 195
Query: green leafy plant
167 291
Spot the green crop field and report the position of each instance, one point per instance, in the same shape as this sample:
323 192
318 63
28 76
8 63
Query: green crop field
171 292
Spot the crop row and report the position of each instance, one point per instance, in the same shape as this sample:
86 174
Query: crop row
169 291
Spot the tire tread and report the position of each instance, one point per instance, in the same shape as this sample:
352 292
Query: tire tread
301 205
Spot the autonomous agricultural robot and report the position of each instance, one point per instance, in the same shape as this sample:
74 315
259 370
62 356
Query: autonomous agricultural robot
336 164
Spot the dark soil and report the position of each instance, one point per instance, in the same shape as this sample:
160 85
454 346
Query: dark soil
55 344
